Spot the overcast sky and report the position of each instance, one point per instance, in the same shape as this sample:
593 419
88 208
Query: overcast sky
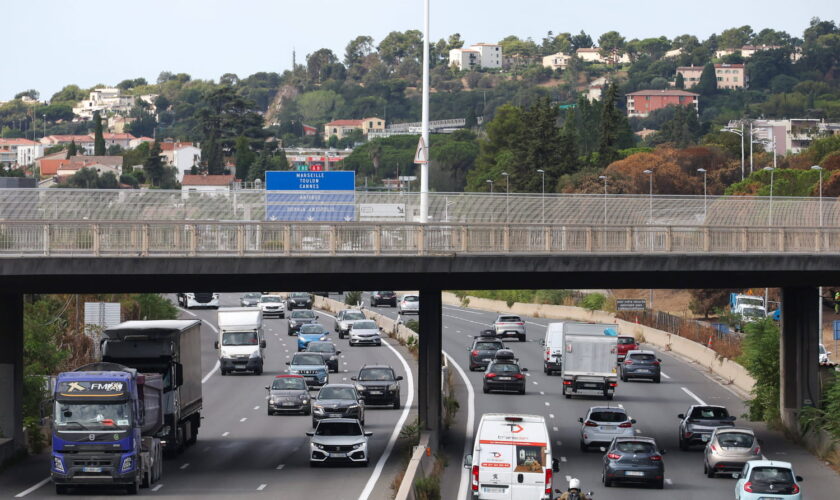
50 43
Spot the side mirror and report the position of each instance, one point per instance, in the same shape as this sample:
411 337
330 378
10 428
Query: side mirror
468 461
380 329
267 388
632 420
555 465
316 316
659 360
368 434
663 452
524 369
310 433
216 344
399 377
352 378
733 418
580 419
799 478
262 344
288 363
681 416
337 353
542 342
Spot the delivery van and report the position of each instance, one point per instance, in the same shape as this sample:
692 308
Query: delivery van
511 458
552 348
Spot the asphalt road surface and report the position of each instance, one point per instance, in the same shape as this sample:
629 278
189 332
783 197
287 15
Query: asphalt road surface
244 453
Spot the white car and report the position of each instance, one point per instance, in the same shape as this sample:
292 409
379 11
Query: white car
824 355
767 479
338 440
272 305
409 304
602 424
365 332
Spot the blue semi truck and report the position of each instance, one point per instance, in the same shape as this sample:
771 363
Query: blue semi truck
105 420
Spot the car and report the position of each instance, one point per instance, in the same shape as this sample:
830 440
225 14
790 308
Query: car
310 332
191 300
729 449
824 356
698 422
272 305
378 385
387 298
504 374
298 300
327 351
311 366
338 440
365 333
509 326
625 343
767 479
409 304
603 423
483 350
641 364
288 394
250 299
633 459
345 319
338 401
299 318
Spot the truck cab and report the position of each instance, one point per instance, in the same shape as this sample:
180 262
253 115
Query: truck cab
241 343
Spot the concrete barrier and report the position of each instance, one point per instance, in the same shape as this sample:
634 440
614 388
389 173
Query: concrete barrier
420 463
731 372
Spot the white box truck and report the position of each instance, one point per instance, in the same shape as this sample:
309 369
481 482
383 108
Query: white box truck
590 357
552 344
241 343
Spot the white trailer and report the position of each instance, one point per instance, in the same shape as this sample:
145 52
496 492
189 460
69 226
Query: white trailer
589 365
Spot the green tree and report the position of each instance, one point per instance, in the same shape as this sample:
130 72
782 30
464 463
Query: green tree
568 145
71 149
244 157
223 116
613 126
707 85
98 139
581 41
760 357
319 106
735 38
258 168
497 147
679 83
611 45
537 147
154 167
357 50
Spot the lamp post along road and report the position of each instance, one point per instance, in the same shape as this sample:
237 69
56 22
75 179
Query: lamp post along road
705 204
739 133
507 196
424 167
650 196
541 171
819 169
604 178
770 212
490 181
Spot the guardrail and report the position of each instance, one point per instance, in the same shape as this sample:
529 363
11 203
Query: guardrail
214 238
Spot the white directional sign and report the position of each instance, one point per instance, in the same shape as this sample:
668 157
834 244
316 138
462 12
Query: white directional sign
382 210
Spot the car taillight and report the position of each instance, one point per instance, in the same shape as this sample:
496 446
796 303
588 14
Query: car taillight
548 352
613 384
686 434
567 382
521 324
625 425
590 423
655 363
490 375
474 353
757 450
795 489
548 481
748 487
655 458
628 361
475 478
613 456
713 447
519 376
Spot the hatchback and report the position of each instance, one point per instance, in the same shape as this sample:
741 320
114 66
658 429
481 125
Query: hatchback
641 364
602 424
767 479
634 460
625 345
729 449
504 375
338 440
311 333
365 333
409 304
482 351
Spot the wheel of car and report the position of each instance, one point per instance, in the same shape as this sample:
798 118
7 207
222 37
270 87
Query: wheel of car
607 483
609 397
314 464
659 484
363 464
397 402
258 371
623 378
224 372
568 396
545 370
269 412
710 472
683 444
521 338
583 446
485 389
314 423
656 380
133 488
281 316
522 391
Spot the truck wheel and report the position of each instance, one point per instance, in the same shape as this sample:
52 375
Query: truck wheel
133 488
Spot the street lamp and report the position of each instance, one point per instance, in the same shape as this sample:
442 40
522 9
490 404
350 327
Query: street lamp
604 178
819 169
740 133
490 181
541 171
507 195
705 205
45 124
650 202
770 212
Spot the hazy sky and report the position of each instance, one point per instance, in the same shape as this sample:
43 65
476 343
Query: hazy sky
50 43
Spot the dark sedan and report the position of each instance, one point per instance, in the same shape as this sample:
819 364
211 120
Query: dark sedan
298 300
383 297
634 460
288 393
296 319
327 351
641 364
482 352
379 385
250 299
338 401
504 375
698 423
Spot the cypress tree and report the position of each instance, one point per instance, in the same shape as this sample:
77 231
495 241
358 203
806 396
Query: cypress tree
98 139
680 81
708 81
611 126
71 149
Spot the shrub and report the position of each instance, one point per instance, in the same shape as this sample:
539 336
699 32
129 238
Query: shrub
760 357
353 298
34 435
427 488
593 301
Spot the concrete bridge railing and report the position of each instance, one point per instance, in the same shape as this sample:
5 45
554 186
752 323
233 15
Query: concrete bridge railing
213 238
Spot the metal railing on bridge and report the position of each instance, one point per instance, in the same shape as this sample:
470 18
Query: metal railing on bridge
212 238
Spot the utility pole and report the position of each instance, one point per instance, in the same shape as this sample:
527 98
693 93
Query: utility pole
424 167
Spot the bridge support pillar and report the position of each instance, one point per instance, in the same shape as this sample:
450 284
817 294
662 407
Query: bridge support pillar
430 364
800 338
11 374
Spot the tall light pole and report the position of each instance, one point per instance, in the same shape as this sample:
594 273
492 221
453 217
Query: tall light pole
507 195
739 133
45 125
424 167
604 178
770 212
820 169
541 171
819 298
751 148
650 197
490 181
705 205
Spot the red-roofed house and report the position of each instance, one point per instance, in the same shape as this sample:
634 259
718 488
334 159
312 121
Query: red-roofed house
309 130
19 152
140 140
181 155
83 142
206 184
641 103
121 140
341 128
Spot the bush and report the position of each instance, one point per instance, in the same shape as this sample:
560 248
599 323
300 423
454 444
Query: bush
155 306
760 357
826 418
427 488
413 325
353 298
35 437
594 301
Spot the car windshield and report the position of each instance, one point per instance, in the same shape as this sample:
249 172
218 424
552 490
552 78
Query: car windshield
270 298
321 347
411 298
504 368
735 439
771 475
635 447
338 429
753 312
376 374
709 413
384 293
337 393
751 302
239 338
252 295
299 295
509 319
608 416
305 314
307 359
92 415
822 349
488 346
312 329
626 340
364 325
288 384
353 315
643 357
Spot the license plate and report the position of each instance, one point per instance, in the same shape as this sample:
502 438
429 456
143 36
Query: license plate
491 489
505 378
608 427
634 473
91 469
338 455
239 366
590 385
335 415
376 392
287 404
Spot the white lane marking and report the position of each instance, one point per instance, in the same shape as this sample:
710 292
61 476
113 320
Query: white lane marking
380 464
224 434
542 393
459 309
157 487
344 379
243 419
547 403
485 325
280 467
535 324
184 466
555 429
32 488
211 372
457 331
468 434
211 325
664 374
550 415
261 487
535 382
188 312
696 398
668 481
563 459
445 326
256 407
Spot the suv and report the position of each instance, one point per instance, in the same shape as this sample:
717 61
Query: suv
635 460
298 300
300 318
338 440
338 401
697 424
311 366
272 305
388 298
345 319
508 326
625 344
504 374
641 364
379 385
483 350
327 351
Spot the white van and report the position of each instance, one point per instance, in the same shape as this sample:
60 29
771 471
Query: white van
511 458
241 342
552 348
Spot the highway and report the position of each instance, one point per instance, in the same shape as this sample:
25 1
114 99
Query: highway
654 406
244 453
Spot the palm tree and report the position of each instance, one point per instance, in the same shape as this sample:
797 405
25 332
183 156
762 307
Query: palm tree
375 154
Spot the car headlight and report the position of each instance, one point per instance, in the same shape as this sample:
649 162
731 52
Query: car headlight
318 409
128 463
319 446
360 388
393 387
358 445
273 400
58 464
304 398
353 407
333 357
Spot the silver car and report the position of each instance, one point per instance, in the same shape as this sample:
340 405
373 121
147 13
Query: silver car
602 424
340 440
729 449
365 333
409 304
345 319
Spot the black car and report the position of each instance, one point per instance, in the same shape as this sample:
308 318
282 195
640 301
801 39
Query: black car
697 424
327 351
296 319
288 393
298 300
381 297
482 351
338 401
504 374
379 385
634 460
